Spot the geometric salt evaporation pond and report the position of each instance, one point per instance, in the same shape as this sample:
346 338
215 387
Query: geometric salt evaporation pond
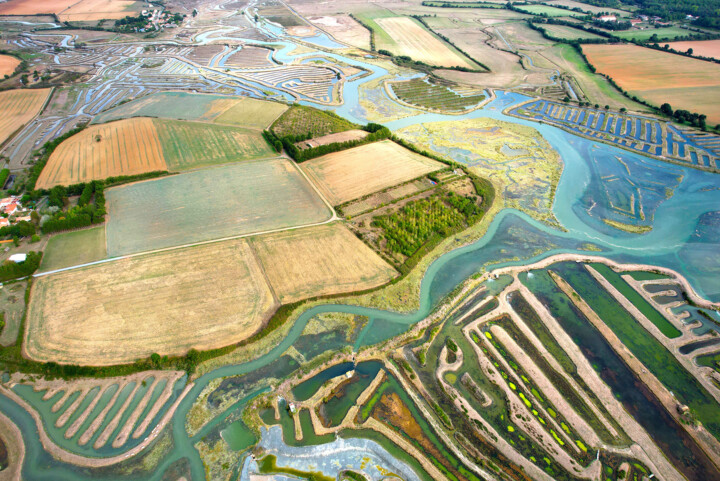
331 458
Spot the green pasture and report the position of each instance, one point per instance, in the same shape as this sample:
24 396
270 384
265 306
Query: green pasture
644 35
231 200
188 145
74 248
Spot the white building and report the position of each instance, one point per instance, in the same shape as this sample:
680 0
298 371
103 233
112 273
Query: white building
18 258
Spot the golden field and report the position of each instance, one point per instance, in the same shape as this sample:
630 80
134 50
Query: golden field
202 297
18 107
317 261
353 173
125 147
8 63
413 40
660 77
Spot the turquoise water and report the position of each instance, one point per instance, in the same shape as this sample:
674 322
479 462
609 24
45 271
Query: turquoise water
680 203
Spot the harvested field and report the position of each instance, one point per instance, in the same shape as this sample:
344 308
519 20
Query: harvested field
345 29
34 7
413 40
321 260
188 145
94 10
241 111
569 33
659 77
74 248
17 108
347 136
203 297
8 64
353 173
549 11
251 113
702 48
236 199
125 147
250 57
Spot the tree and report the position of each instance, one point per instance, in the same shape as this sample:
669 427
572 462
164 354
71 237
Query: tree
666 109
689 51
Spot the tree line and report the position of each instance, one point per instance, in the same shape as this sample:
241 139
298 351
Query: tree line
376 132
15 270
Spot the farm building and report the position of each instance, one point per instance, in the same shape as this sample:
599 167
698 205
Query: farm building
607 18
17 258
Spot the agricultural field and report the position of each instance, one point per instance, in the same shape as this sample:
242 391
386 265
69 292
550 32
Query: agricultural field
8 64
18 107
214 203
353 173
645 34
569 33
594 87
95 10
239 111
12 308
74 248
588 8
702 48
317 261
189 145
549 11
34 7
347 136
660 77
412 39
251 113
299 120
202 297
345 29
125 147
437 95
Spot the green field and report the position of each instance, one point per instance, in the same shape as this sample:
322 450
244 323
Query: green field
187 145
569 33
208 204
299 120
74 248
239 111
433 96
644 35
549 11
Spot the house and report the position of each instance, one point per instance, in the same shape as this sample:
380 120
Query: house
607 18
10 209
17 258
635 21
4 222
25 218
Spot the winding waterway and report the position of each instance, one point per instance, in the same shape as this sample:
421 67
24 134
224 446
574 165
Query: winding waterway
679 240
